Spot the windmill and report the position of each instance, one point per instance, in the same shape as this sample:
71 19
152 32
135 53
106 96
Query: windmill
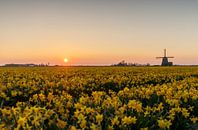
165 59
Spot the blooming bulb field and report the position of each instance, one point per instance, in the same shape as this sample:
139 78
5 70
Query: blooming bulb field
138 98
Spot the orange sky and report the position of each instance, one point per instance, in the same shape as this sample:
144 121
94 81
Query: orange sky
98 32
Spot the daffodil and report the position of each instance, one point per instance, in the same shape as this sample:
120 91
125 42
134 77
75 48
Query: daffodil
21 121
99 118
61 124
129 120
163 123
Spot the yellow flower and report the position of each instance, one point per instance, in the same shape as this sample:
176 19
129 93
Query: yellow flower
61 110
135 105
146 113
160 107
35 109
15 110
2 126
115 121
35 97
83 100
83 124
129 120
191 108
72 128
146 128
99 118
82 121
50 96
76 113
41 97
13 93
78 105
110 127
21 121
194 119
97 96
5 111
81 117
69 104
94 127
164 123
89 110
185 112
126 90
36 122
61 123
171 116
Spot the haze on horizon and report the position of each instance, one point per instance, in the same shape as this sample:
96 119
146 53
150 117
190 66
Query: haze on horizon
98 32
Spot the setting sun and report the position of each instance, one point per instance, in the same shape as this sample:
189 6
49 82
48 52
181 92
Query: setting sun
65 60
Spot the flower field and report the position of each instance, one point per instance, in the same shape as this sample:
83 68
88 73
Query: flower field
138 98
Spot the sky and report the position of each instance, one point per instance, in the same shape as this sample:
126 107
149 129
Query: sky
98 32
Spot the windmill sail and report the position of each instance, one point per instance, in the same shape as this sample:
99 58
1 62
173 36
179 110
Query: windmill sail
165 61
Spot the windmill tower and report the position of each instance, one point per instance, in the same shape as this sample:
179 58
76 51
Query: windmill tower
165 59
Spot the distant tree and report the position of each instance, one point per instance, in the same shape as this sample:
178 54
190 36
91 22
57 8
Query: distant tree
123 63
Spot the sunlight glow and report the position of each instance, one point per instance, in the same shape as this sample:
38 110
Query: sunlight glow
65 60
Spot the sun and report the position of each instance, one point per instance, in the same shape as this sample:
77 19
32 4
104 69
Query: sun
65 60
